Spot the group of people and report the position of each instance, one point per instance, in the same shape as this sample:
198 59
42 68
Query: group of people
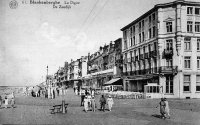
164 108
6 101
90 103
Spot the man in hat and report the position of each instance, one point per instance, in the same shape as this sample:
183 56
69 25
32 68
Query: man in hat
110 102
102 102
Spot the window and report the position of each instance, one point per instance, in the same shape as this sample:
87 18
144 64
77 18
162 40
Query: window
186 84
153 16
198 44
150 33
198 62
142 36
142 24
187 44
150 19
169 84
169 26
139 26
134 40
197 11
154 31
131 41
133 29
189 26
197 26
187 62
189 10
198 83
125 35
125 44
169 63
131 32
169 44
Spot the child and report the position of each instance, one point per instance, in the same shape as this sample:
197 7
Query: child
86 104
110 102
12 102
6 102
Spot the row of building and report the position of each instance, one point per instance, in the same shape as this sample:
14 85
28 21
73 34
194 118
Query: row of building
158 55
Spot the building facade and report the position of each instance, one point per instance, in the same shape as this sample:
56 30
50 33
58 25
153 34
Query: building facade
104 65
161 51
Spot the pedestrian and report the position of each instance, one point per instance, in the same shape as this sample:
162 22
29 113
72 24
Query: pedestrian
102 103
162 108
89 101
12 102
166 108
93 104
0 101
6 102
82 98
86 104
92 93
110 102
76 91
57 89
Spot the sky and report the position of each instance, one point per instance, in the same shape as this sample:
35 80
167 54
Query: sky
34 35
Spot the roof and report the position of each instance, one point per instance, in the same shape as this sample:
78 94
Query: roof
113 82
160 6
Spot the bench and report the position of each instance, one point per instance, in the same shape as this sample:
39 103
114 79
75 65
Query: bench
57 108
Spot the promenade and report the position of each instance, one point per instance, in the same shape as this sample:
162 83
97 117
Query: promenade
32 110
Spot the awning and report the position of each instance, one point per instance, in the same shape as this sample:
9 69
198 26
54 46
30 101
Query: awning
116 81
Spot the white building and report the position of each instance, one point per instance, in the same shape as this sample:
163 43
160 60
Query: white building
161 51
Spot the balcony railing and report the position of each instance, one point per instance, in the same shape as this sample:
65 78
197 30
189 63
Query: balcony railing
168 69
141 56
146 55
168 53
154 70
136 58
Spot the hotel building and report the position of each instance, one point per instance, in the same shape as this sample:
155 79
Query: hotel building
161 51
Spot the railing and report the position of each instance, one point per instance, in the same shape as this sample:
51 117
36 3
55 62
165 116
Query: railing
146 55
136 58
154 70
141 56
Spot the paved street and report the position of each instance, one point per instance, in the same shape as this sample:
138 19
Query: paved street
32 110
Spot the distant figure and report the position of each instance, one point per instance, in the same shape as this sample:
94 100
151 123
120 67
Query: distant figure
0 101
110 102
102 102
6 102
93 104
89 101
167 108
13 102
82 98
162 108
86 104
76 91
57 89
92 92
53 94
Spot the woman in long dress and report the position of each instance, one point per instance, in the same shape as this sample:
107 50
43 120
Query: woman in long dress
110 102
86 104
162 108
167 108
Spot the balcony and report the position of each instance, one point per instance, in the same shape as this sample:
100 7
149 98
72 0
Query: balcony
168 69
141 56
132 59
129 60
146 55
153 54
168 53
136 58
